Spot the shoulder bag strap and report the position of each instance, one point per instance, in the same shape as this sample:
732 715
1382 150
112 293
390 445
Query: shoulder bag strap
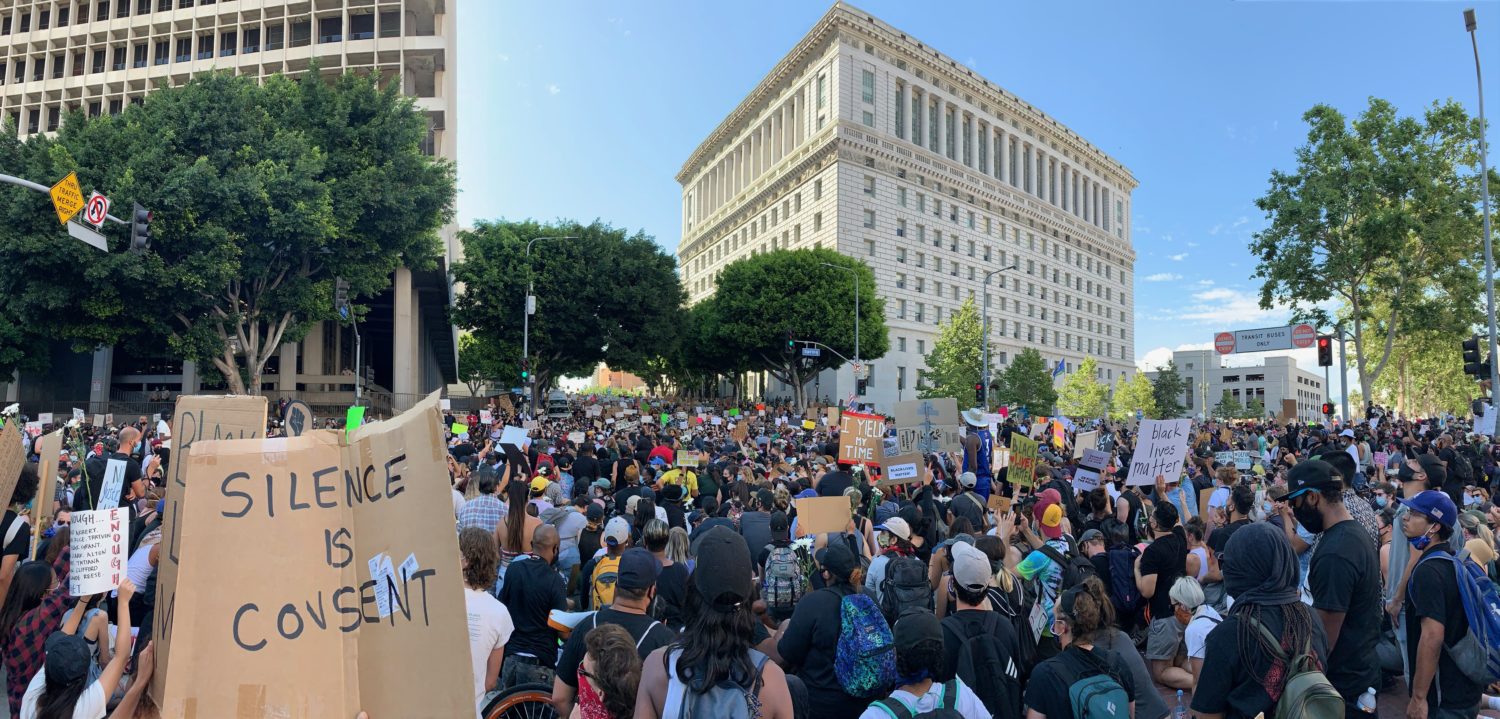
894 707
950 694
1053 554
644 634
15 529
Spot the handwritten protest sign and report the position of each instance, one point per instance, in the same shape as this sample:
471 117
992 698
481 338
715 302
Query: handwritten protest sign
816 515
197 418
1288 410
98 543
1242 459
321 511
1024 453
860 438
114 484
12 458
903 469
928 425
1086 477
576 437
741 431
1160 451
687 458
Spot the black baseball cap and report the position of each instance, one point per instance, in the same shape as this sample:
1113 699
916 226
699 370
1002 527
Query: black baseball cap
729 585
1313 474
68 658
638 569
838 559
914 627
1436 471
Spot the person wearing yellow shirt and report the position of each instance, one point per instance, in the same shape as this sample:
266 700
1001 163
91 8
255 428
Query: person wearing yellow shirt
687 478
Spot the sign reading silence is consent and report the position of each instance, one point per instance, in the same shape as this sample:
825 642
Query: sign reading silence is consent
319 578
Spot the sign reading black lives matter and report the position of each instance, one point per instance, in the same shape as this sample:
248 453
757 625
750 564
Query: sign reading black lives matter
1160 450
351 599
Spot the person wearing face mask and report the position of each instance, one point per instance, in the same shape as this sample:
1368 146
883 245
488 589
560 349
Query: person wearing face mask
1435 612
532 589
1344 577
1417 475
1380 498
110 467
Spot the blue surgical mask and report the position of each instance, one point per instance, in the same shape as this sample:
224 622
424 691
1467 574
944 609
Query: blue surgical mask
1381 502
1420 543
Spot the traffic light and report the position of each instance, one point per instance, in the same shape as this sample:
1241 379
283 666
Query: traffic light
341 297
525 370
1472 365
791 344
979 394
1328 409
1325 351
140 229
859 387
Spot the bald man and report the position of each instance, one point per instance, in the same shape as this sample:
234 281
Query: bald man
116 463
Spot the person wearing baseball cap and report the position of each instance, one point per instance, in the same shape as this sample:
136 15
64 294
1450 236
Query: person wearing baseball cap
1046 561
810 638
969 503
920 648
714 646
1434 609
634 590
894 537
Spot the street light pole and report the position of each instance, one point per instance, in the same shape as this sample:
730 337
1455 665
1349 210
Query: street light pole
529 307
984 330
1484 181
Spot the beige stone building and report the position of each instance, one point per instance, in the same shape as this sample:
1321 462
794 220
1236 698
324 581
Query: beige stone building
865 140
98 55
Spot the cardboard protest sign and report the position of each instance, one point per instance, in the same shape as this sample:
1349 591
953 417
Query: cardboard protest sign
12 458
341 629
817 515
593 411
1242 459
1226 436
999 503
904 469
929 425
687 459
1024 453
1160 450
1086 477
860 438
831 416
98 542
741 431
1084 441
99 420
196 418
1288 410
49 448
505 405
298 418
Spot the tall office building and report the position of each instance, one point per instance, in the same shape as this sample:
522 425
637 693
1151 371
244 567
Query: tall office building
98 55
867 141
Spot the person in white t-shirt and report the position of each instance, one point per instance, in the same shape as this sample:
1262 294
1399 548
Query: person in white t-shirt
62 687
1200 618
919 655
490 625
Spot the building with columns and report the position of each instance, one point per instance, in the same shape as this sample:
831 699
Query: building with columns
865 140
98 55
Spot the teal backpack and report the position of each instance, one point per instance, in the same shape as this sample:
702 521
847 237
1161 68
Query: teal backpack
1099 695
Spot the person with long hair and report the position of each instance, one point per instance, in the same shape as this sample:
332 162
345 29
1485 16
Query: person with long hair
63 688
515 530
32 611
608 676
1082 612
490 623
716 648
810 638
1156 570
1242 673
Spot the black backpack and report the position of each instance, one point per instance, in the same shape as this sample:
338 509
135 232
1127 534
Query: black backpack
1015 607
994 679
904 587
1075 568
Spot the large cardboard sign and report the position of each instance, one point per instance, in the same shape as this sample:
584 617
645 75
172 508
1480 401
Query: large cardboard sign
98 544
1083 442
12 459
860 438
929 425
1160 450
903 469
196 418
352 599
49 448
1024 454
817 515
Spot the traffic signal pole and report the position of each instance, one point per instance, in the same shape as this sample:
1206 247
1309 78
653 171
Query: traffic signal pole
1344 374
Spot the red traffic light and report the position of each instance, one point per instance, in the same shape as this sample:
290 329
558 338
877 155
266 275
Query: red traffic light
1328 408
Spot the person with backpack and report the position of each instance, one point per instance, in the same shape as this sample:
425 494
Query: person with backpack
980 647
634 591
1082 681
596 581
897 578
839 640
1267 654
1437 620
1158 568
969 504
783 581
711 671
920 693
1049 564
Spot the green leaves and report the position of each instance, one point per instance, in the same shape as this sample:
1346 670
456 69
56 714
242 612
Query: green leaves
1027 383
1082 395
1131 395
1166 391
953 368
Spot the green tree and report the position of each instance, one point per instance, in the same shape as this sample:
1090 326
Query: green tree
1026 383
1166 392
1379 216
604 297
1082 395
479 363
1256 409
261 192
761 298
953 367
1228 407
1130 395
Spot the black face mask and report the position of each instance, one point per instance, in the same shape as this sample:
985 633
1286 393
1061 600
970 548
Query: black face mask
1308 516
1406 473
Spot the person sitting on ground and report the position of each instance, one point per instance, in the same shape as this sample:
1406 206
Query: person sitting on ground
1197 619
1082 612
919 639
63 687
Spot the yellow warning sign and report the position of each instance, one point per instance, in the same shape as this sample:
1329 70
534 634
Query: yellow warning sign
67 197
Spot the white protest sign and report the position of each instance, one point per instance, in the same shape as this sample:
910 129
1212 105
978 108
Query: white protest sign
44 418
1086 477
114 483
575 437
515 436
486 416
1242 459
1161 450
78 414
445 404
1486 425
98 550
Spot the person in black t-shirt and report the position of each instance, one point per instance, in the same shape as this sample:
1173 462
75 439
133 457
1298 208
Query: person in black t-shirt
1344 577
1435 612
1081 612
15 532
1157 569
532 589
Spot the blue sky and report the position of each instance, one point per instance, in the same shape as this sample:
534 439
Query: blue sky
588 109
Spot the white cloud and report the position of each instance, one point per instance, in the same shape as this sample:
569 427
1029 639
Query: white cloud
1158 357
553 89
1162 277
1192 244
1215 229
1178 257
1240 221
1205 283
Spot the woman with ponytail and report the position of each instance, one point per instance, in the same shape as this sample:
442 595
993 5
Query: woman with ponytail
1082 613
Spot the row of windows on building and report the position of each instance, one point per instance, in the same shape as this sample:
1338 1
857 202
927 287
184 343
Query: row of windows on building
1106 374
1018 331
19 18
1032 310
962 137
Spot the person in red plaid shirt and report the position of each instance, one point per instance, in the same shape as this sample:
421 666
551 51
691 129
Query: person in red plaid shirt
33 610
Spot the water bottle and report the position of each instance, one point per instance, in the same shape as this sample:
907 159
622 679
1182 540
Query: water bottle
1180 711
1367 701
